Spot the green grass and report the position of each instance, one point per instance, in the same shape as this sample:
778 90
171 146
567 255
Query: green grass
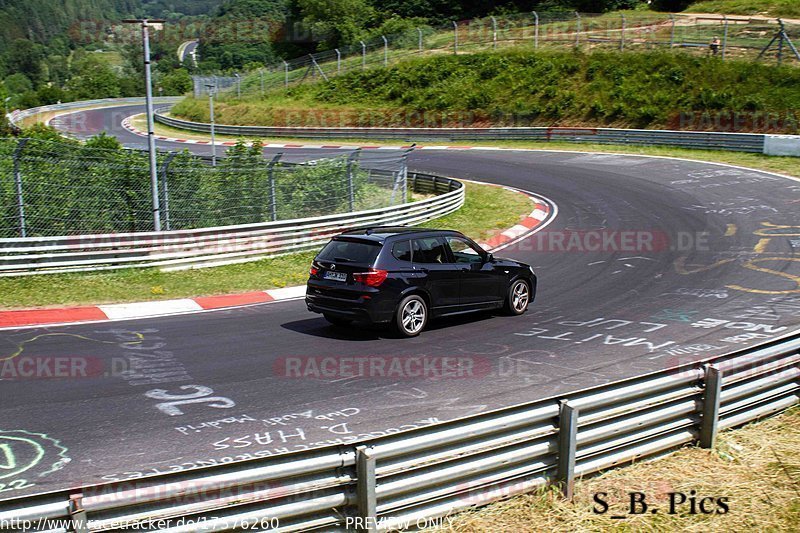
487 210
773 8
521 87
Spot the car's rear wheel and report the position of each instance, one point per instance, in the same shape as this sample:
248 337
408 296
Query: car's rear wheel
337 320
519 297
411 316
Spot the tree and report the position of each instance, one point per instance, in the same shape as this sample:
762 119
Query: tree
93 78
25 57
17 84
177 82
336 22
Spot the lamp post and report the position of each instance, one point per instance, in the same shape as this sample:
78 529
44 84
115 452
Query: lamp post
151 139
211 117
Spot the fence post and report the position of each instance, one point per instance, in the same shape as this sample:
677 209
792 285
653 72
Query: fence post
672 32
494 32
351 190
338 61
535 29
419 31
238 85
577 30
18 186
725 36
622 39
261 74
363 55
273 201
711 399
286 75
165 187
77 514
567 447
455 37
365 488
385 51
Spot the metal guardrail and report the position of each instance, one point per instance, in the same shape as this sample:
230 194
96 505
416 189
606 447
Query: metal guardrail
739 142
175 250
16 117
391 482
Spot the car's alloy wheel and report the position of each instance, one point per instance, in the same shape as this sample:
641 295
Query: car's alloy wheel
412 315
519 296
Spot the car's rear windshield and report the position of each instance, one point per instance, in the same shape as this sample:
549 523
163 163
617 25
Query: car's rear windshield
350 251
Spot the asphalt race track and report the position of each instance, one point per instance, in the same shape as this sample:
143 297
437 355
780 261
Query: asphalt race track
709 265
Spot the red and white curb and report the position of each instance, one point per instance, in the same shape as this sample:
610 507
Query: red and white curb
127 311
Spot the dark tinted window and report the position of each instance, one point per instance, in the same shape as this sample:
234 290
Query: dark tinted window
344 251
402 251
463 251
429 250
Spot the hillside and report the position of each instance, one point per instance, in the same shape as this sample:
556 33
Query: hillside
546 88
772 8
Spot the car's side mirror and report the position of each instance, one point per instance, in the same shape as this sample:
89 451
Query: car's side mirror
489 258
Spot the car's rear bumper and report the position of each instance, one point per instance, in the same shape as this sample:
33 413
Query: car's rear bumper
358 307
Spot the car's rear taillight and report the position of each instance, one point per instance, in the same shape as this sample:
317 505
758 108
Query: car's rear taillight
314 269
373 278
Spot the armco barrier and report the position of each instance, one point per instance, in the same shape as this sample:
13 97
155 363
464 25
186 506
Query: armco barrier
738 142
175 250
16 117
393 481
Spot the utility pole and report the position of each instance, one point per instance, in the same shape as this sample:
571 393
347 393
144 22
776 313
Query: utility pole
151 139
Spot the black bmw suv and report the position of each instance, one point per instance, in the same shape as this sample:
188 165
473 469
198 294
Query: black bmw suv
404 276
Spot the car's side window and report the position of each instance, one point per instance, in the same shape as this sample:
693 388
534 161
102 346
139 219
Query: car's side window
463 251
402 251
429 250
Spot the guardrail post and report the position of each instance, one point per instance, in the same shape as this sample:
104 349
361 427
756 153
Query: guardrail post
494 32
351 190
535 29
622 38
165 187
273 201
711 399
366 488
455 37
77 514
419 31
567 447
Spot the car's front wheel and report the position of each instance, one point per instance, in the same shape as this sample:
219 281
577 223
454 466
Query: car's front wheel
337 320
519 297
411 316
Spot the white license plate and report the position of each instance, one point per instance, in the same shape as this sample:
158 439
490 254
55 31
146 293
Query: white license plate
336 276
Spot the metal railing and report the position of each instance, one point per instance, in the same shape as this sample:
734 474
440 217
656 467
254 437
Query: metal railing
391 482
17 117
740 142
180 249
